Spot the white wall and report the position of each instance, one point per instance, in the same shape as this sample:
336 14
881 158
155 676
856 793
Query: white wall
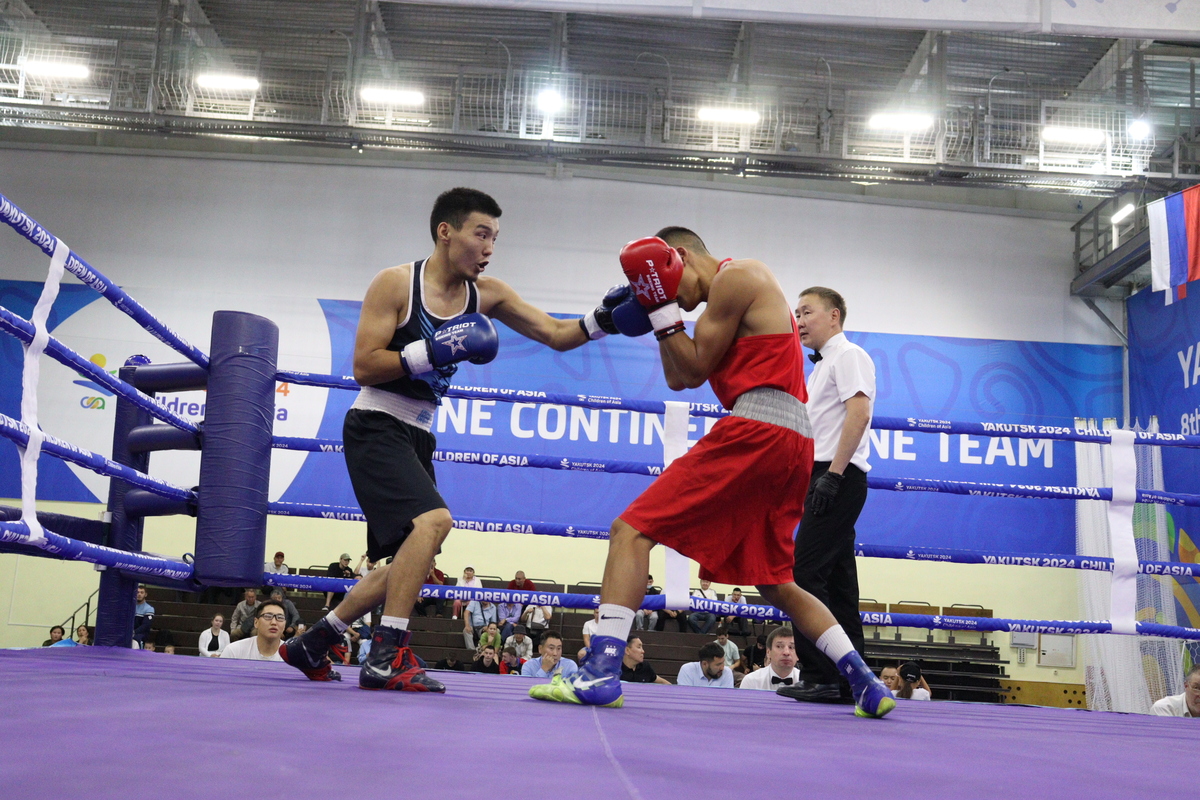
309 230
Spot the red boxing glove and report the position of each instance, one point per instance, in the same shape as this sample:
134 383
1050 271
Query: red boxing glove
654 270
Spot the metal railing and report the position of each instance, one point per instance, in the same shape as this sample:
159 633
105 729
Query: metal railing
86 607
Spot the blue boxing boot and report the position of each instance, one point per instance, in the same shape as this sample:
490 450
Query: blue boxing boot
871 697
598 681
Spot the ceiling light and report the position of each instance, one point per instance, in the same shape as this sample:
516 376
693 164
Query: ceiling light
1139 129
392 97
549 101
56 69
903 122
1121 213
735 116
1061 135
233 83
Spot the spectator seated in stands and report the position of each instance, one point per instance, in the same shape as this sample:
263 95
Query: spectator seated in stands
431 606
364 642
589 630
738 626
276 565
781 663
477 617
338 569
647 620
490 637
912 685
143 617
753 657
732 654
486 661
634 668
710 670
1182 705
550 661
468 580
279 595
534 619
214 640
890 675
703 621
56 635
508 615
521 643
270 618
242 621
451 662
523 584
164 642
83 636
68 642
510 662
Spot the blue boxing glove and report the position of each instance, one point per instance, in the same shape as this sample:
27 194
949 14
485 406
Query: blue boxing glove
619 312
471 337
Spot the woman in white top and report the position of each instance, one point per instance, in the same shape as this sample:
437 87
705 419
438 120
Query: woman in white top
214 640
912 685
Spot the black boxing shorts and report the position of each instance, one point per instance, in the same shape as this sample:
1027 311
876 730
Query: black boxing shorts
391 469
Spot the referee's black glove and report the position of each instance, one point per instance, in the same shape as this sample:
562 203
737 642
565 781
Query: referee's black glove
824 491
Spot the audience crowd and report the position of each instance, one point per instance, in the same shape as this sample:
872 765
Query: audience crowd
517 639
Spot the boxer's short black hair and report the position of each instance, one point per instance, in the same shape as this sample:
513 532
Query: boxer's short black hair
455 205
677 236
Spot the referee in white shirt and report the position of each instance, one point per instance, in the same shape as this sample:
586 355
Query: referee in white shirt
841 393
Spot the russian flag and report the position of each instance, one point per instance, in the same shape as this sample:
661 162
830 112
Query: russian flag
1175 241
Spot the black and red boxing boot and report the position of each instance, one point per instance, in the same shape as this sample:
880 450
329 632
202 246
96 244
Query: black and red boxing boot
392 665
310 651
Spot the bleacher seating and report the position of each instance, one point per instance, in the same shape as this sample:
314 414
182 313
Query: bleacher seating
955 671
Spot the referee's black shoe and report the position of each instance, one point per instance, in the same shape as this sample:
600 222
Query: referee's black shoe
809 692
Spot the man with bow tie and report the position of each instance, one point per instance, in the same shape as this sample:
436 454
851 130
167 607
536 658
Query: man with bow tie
841 394
781 663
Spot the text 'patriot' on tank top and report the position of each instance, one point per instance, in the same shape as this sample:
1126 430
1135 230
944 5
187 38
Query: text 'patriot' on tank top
420 323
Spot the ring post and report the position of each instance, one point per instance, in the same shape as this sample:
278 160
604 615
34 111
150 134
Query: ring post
114 608
235 464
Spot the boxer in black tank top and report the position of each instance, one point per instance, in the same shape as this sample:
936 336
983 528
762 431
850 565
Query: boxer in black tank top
388 443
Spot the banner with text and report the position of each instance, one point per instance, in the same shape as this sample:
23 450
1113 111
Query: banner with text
1164 373
924 377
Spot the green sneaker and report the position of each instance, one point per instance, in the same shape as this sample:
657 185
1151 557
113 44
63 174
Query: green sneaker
561 691
885 705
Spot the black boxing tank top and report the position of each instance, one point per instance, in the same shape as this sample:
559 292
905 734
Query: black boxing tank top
420 323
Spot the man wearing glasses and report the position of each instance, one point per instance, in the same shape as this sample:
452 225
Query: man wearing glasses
270 618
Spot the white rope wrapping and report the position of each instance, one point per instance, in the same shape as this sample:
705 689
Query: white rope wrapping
679 567
30 372
1123 608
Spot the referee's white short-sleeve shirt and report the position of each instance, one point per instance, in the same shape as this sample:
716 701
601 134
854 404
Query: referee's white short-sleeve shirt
844 370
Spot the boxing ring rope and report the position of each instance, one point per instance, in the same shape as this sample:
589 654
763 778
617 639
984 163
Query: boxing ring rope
1121 495
23 224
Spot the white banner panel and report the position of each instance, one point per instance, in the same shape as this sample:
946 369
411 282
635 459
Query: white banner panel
1115 18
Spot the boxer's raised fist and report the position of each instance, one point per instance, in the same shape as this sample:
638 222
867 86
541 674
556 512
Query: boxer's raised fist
471 337
654 269
618 312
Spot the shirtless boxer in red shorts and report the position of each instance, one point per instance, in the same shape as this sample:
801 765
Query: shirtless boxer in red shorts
733 501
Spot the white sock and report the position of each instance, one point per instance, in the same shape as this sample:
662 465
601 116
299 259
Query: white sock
835 643
400 623
615 621
336 622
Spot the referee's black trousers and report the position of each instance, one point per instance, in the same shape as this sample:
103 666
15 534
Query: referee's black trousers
825 566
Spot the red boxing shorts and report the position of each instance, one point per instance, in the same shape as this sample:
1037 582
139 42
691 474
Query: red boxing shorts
732 503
